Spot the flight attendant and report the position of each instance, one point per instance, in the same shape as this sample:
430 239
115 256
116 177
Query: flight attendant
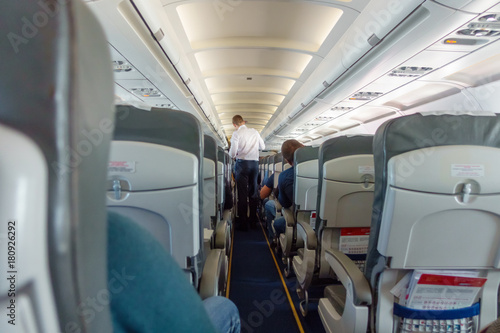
245 145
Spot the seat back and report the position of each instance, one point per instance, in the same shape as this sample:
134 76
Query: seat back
346 184
261 168
436 203
209 182
56 121
263 172
270 166
154 177
277 167
306 178
228 187
221 164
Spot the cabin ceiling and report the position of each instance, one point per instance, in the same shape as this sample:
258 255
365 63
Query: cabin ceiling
300 69
250 56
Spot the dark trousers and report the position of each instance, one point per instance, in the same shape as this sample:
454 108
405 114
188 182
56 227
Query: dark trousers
246 181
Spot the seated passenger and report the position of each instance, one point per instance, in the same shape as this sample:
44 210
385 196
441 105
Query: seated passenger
285 182
150 293
493 327
269 206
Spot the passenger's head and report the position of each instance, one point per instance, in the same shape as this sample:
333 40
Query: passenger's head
288 148
238 121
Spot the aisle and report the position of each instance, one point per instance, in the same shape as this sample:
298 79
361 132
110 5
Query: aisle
256 287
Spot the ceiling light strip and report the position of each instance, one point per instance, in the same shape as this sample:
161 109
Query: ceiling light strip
395 34
134 18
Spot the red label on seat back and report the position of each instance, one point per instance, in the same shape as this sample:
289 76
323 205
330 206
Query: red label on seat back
444 280
355 232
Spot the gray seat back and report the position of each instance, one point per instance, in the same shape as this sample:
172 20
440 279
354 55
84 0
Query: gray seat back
270 166
346 184
155 177
436 200
56 121
306 178
209 182
221 164
277 167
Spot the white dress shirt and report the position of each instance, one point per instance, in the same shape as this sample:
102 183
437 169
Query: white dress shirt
245 144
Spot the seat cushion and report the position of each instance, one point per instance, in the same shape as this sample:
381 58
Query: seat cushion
336 294
300 253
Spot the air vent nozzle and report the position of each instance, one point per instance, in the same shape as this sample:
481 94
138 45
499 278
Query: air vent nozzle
146 92
365 96
341 108
479 32
410 71
121 66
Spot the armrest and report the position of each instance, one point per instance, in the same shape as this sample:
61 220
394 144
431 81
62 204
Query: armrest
209 284
350 276
220 235
306 232
289 217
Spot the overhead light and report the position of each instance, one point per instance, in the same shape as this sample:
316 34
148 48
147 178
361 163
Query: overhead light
485 25
490 18
312 124
365 96
323 119
146 92
479 32
169 106
342 108
121 67
410 71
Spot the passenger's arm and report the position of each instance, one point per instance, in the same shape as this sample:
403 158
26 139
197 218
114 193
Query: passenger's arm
234 145
262 146
265 192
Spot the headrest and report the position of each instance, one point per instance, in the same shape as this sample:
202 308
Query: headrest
166 127
417 131
220 154
210 148
345 146
305 154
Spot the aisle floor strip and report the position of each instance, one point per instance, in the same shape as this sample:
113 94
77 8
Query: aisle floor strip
228 283
295 315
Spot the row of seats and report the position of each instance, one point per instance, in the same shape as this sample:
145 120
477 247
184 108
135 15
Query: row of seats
335 181
57 124
167 181
426 195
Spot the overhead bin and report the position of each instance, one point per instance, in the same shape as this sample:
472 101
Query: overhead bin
473 6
